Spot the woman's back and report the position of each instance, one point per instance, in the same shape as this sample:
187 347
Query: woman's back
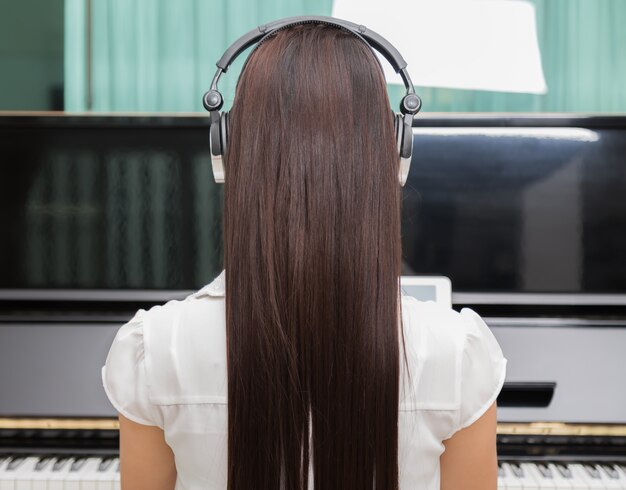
297 371
167 367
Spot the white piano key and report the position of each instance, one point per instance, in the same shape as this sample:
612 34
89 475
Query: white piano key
608 478
561 481
613 471
60 469
8 472
521 477
107 474
3 466
80 476
71 480
116 483
543 477
509 479
621 472
42 472
501 478
24 474
91 474
576 481
590 479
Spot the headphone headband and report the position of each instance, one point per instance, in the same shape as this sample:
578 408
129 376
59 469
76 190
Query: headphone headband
409 105
372 38
375 40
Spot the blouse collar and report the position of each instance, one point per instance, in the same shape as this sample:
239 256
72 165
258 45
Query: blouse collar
217 287
214 288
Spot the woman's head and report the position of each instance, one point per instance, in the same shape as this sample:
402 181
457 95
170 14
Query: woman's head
312 259
317 94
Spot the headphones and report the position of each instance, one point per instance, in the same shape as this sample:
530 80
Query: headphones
403 121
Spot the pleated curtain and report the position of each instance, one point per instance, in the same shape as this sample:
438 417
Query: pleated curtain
159 55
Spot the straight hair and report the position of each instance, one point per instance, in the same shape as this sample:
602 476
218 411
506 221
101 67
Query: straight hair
312 254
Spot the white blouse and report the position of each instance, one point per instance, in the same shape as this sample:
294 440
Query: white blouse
167 367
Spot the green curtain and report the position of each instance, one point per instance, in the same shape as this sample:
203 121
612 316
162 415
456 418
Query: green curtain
159 55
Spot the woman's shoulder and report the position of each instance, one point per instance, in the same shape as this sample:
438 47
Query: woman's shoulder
439 330
177 349
458 365
444 325
196 313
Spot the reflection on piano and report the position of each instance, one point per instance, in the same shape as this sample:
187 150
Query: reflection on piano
525 214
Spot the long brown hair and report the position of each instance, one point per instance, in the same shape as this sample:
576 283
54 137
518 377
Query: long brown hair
312 257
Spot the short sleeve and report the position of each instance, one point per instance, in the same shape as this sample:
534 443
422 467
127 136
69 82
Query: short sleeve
124 374
483 369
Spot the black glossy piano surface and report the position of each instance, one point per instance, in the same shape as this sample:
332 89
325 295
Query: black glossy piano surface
102 215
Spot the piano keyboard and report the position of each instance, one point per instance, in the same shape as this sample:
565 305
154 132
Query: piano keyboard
59 473
561 476
103 473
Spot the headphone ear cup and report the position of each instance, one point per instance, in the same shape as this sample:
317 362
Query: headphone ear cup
405 146
398 129
224 125
216 141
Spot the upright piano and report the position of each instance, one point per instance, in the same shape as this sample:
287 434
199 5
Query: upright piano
526 214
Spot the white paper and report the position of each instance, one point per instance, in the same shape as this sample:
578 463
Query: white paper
465 44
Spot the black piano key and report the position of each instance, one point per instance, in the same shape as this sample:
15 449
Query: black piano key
611 472
60 463
564 470
15 463
517 470
592 471
105 464
78 464
42 463
544 470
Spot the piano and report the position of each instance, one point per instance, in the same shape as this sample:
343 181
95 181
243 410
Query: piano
524 213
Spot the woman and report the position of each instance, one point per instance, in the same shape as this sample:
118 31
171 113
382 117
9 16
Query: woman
302 365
